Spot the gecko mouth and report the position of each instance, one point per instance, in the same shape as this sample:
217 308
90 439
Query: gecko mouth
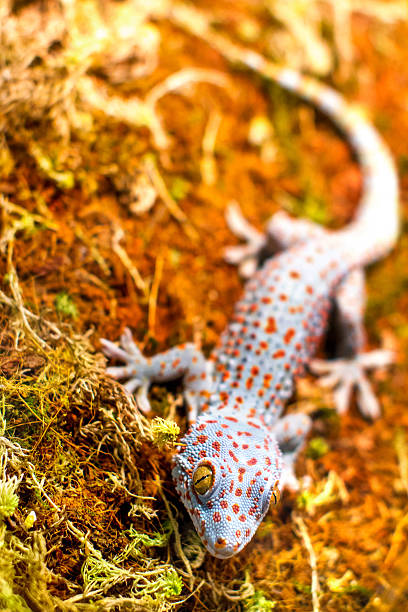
222 550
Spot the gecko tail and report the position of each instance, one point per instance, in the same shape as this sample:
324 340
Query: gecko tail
375 227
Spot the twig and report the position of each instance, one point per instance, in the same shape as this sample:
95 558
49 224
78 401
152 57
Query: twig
397 539
124 258
18 300
177 538
80 234
402 454
300 524
182 78
40 487
154 291
207 164
168 201
134 111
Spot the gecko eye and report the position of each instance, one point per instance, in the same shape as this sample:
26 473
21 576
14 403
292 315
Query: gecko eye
203 478
276 493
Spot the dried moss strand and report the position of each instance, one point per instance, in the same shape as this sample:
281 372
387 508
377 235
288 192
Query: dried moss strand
300 524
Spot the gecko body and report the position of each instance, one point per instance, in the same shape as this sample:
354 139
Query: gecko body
239 451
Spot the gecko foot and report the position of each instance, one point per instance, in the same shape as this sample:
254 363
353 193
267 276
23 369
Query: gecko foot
244 256
343 375
135 370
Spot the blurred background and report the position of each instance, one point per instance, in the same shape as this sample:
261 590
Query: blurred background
124 135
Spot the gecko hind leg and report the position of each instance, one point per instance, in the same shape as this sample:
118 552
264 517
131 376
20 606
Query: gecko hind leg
347 371
282 231
245 256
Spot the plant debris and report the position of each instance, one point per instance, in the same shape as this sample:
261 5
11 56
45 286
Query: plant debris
124 135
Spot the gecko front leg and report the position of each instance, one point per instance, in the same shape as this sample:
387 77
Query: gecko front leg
290 432
183 361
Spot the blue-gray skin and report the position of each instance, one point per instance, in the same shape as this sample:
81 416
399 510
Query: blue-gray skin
239 451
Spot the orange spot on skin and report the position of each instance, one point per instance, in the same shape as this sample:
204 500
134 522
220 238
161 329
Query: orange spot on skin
278 354
252 461
309 290
249 383
216 517
289 335
271 325
233 456
254 370
175 363
235 508
283 297
264 345
253 425
294 274
216 445
266 300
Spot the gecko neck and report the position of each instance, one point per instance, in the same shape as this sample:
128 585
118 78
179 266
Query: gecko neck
239 410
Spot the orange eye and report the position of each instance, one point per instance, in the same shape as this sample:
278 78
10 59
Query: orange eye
203 478
276 492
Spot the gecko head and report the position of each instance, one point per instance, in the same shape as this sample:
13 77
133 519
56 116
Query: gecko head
226 473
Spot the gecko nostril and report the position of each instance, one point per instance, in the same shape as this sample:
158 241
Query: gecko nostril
220 543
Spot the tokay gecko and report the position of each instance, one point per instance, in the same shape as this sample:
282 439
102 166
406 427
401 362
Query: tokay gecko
239 451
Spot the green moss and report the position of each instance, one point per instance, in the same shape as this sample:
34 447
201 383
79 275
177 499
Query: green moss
164 433
317 447
65 305
8 496
179 188
258 603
